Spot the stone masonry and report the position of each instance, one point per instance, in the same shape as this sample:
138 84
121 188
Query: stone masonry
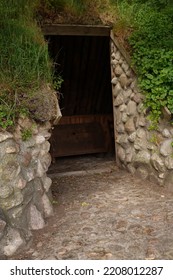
25 199
143 151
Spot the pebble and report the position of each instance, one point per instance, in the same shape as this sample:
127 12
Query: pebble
124 212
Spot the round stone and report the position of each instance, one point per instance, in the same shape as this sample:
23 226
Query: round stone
166 148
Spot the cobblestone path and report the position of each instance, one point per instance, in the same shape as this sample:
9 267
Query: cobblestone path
102 212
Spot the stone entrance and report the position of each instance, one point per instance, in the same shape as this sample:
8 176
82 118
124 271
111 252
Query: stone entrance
25 199
144 150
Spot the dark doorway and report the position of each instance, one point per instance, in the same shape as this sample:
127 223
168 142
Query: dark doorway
86 97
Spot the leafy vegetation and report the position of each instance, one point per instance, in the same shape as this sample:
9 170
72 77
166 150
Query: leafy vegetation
25 65
24 61
144 26
152 44
151 24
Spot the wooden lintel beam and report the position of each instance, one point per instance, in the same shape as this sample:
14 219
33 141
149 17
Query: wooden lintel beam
76 30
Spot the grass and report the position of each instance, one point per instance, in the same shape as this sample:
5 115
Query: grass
76 11
24 61
25 65
24 56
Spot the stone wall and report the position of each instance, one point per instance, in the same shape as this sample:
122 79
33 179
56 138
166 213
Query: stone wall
143 151
25 199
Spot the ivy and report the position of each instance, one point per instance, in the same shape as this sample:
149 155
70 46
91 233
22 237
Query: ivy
152 45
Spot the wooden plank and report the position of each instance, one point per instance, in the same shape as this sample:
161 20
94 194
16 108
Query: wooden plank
91 73
83 134
72 76
78 139
77 70
76 30
101 96
121 49
84 119
83 62
83 75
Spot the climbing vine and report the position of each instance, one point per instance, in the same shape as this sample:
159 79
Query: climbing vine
152 44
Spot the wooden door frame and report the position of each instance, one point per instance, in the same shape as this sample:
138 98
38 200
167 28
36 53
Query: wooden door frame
83 30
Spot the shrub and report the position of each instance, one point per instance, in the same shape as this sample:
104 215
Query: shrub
153 58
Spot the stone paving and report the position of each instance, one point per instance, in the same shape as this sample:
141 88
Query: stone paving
102 212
